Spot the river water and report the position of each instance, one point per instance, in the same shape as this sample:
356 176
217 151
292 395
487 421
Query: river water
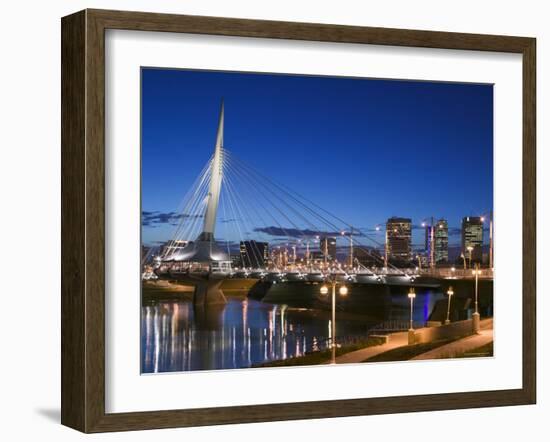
245 332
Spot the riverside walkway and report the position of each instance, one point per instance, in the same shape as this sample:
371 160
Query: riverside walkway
458 347
400 339
396 340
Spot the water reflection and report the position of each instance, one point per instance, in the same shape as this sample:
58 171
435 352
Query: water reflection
176 336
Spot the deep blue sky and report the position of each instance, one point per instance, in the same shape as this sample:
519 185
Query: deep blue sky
364 149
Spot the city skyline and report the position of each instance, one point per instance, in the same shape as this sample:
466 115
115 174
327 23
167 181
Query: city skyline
178 126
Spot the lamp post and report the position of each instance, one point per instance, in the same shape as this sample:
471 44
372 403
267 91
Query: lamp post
475 316
450 293
470 249
343 291
411 296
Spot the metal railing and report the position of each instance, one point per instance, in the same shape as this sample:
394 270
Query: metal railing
455 272
384 328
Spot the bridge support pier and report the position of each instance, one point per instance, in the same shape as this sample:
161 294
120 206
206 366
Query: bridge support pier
208 293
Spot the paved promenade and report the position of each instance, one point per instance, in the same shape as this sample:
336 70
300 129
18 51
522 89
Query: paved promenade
459 347
396 340
445 351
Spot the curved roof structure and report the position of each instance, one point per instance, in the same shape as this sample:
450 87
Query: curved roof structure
199 251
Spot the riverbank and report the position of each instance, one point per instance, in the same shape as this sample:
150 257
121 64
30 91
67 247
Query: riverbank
162 290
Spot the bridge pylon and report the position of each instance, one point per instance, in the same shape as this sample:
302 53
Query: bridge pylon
204 251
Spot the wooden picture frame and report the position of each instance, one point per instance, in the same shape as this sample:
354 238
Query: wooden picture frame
83 220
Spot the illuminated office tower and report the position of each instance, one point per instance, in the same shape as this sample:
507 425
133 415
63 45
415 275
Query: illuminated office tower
472 238
398 239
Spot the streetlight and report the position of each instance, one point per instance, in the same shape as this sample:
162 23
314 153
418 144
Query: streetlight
470 249
343 291
475 317
450 293
411 296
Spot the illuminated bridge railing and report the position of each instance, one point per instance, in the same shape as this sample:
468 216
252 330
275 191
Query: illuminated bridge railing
457 273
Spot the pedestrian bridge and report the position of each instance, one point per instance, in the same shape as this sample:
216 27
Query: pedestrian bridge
276 234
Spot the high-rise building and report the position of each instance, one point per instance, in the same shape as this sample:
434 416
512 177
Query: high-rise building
428 239
438 232
254 254
472 238
441 240
327 246
398 239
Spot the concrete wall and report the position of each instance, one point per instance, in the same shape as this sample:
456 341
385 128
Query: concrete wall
453 330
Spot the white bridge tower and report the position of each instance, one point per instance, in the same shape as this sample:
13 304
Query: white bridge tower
204 252
215 186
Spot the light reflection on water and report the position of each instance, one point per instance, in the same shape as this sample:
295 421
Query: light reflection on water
178 337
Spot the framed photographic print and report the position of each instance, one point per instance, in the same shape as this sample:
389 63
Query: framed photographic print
268 220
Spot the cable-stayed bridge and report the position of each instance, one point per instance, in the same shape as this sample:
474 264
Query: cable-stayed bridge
232 206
